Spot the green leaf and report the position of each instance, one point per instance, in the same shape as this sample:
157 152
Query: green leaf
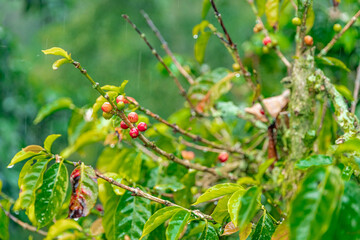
31 179
352 145
184 197
347 227
110 88
221 210
117 190
91 136
347 173
57 51
84 191
130 167
209 232
314 205
158 218
122 87
177 224
131 215
331 61
4 220
50 140
218 191
310 19
201 40
52 193
313 161
21 156
110 201
48 109
58 63
205 8
345 92
243 206
60 227
263 167
264 228
272 12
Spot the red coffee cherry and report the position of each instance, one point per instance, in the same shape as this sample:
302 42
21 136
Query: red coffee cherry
308 40
106 107
134 132
121 98
142 127
223 157
133 117
266 40
123 125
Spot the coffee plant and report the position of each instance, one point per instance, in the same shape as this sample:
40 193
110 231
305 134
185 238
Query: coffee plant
283 167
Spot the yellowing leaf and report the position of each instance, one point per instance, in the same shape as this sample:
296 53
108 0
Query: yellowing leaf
60 227
57 51
59 62
272 12
244 234
97 227
230 229
33 148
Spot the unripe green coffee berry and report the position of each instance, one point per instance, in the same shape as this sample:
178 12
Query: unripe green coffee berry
265 49
296 21
120 105
337 27
236 67
106 115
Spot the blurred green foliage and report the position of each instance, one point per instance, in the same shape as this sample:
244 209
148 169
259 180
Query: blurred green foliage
97 36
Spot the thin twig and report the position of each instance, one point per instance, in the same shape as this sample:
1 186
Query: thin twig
150 154
201 148
139 193
23 224
176 128
283 58
356 90
166 48
159 58
235 52
146 141
325 50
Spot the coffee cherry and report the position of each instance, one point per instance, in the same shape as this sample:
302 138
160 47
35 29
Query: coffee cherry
337 27
132 100
223 157
308 40
106 107
296 21
120 105
123 125
262 112
121 98
188 155
265 49
134 132
257 28
142 127
133 117
236 67
266 40
107 115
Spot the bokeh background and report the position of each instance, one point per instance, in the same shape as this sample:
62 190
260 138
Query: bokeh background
97 36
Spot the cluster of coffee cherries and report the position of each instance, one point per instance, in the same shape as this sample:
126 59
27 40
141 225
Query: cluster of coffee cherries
133 117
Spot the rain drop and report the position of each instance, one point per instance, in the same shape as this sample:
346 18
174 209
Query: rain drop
195 36
76 219
237 75
10 166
